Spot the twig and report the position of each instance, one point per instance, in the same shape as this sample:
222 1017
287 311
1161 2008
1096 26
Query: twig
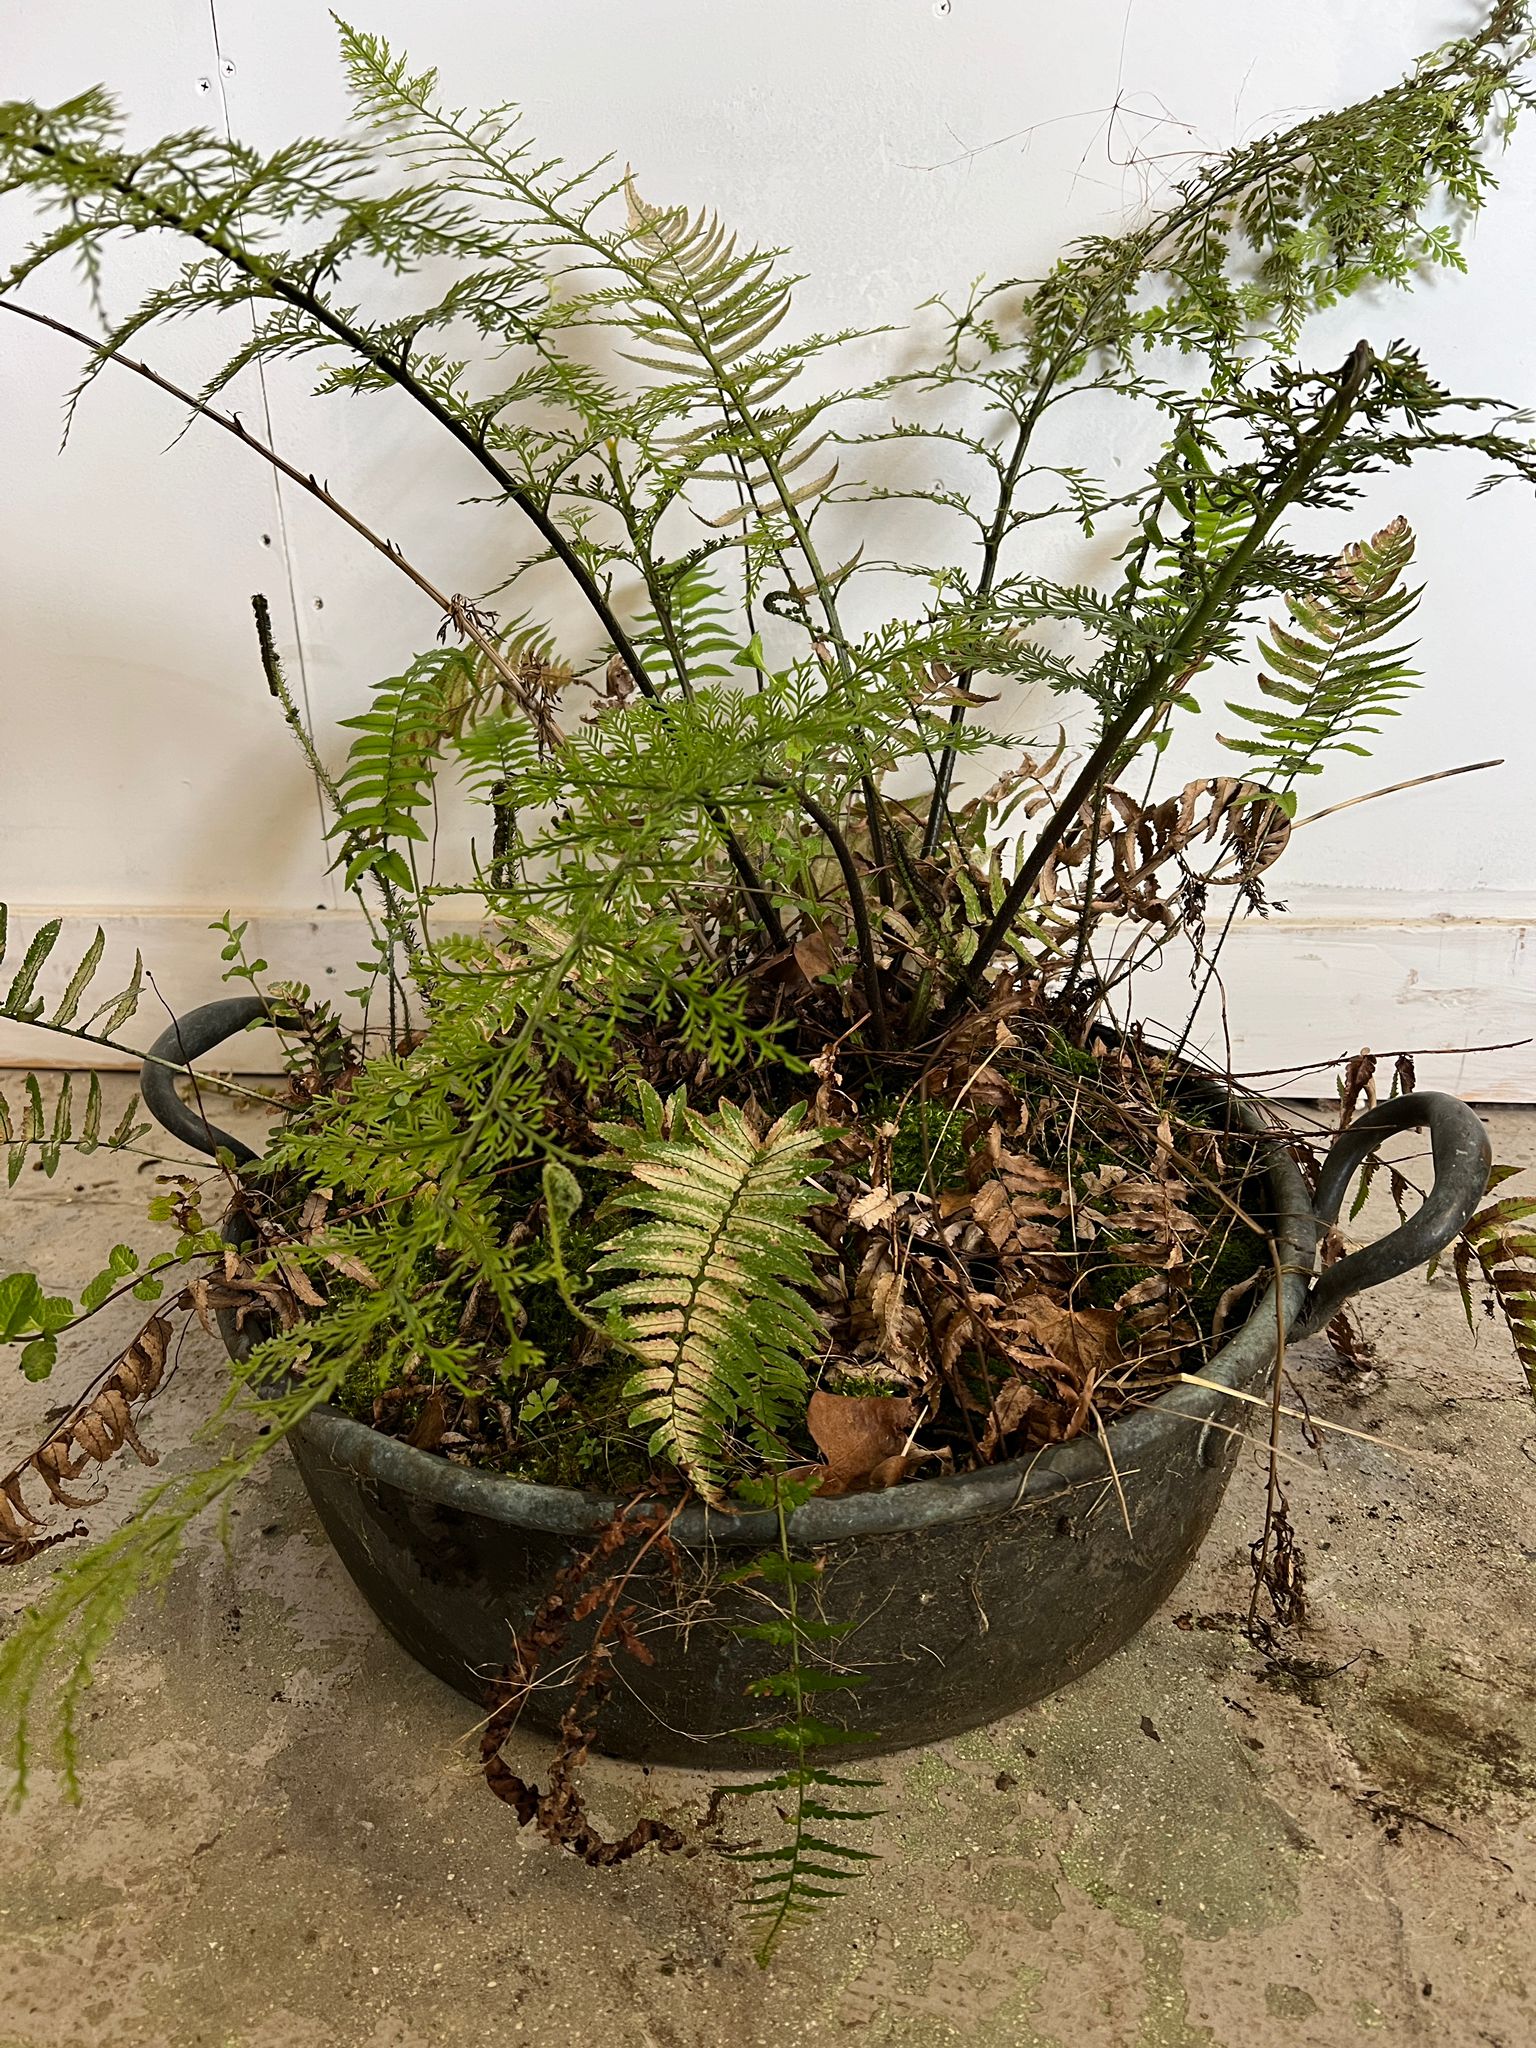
1392 788
451 608
1304 1416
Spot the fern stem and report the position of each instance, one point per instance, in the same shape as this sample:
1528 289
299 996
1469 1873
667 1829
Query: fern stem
991 555
1182 650
446 605
1138 250
306 301
277 684
83 1037
858 906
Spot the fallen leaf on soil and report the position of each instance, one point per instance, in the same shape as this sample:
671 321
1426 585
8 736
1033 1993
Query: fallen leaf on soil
352 1267
1008 1410
863 1439
1153 1288
1083 1338
874 1208
299 1281
431 1423
813 956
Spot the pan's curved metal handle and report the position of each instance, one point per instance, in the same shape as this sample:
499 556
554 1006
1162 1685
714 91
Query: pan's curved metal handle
1462 1158
184 1040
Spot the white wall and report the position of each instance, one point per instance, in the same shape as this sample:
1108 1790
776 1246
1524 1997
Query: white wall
899 148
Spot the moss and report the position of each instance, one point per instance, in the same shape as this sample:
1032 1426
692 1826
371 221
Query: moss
1058 1051
548 1323
1241 1253
874 1384
929 1148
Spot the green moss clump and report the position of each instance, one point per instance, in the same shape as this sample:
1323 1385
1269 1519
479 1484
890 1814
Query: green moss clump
929 1148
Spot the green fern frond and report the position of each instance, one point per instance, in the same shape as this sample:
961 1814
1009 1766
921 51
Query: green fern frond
794 1878
715 305
694 641
1328 665
1502 1240
31 1132
496 754
797 1877
392 763
717 1315
21 1002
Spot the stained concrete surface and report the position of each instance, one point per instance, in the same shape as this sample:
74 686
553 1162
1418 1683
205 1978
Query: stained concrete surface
284 1842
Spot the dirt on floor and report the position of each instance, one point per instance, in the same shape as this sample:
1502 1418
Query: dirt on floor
285 1842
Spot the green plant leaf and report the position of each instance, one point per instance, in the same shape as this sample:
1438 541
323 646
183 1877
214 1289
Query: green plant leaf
39 1357
21 1305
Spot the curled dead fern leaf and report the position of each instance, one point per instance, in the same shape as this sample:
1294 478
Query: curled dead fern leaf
100 1424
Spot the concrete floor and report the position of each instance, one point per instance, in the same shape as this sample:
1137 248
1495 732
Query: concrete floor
285 1843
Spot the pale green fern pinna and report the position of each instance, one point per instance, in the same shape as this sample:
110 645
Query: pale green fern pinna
717 1313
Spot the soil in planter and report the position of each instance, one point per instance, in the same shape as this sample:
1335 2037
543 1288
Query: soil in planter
1018 1246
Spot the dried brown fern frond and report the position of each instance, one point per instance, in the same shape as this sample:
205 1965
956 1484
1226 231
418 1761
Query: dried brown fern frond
1499 1238
100 1424
1126 846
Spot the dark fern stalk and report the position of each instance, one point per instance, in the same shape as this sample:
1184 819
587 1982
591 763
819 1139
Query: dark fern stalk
794 1878
399 930
1165 670
231 424
270 282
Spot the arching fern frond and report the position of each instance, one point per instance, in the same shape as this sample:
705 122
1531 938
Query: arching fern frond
21 1001
716 1314
31 1131
1329 665
714 310
714 304
495 754
793 1878
1502 1239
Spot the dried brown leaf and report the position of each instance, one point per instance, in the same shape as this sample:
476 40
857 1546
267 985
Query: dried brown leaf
1014 1402
875 1207
352 1268
299 1282
431 1424
862 1437
813 955
54 1465
1086 1340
